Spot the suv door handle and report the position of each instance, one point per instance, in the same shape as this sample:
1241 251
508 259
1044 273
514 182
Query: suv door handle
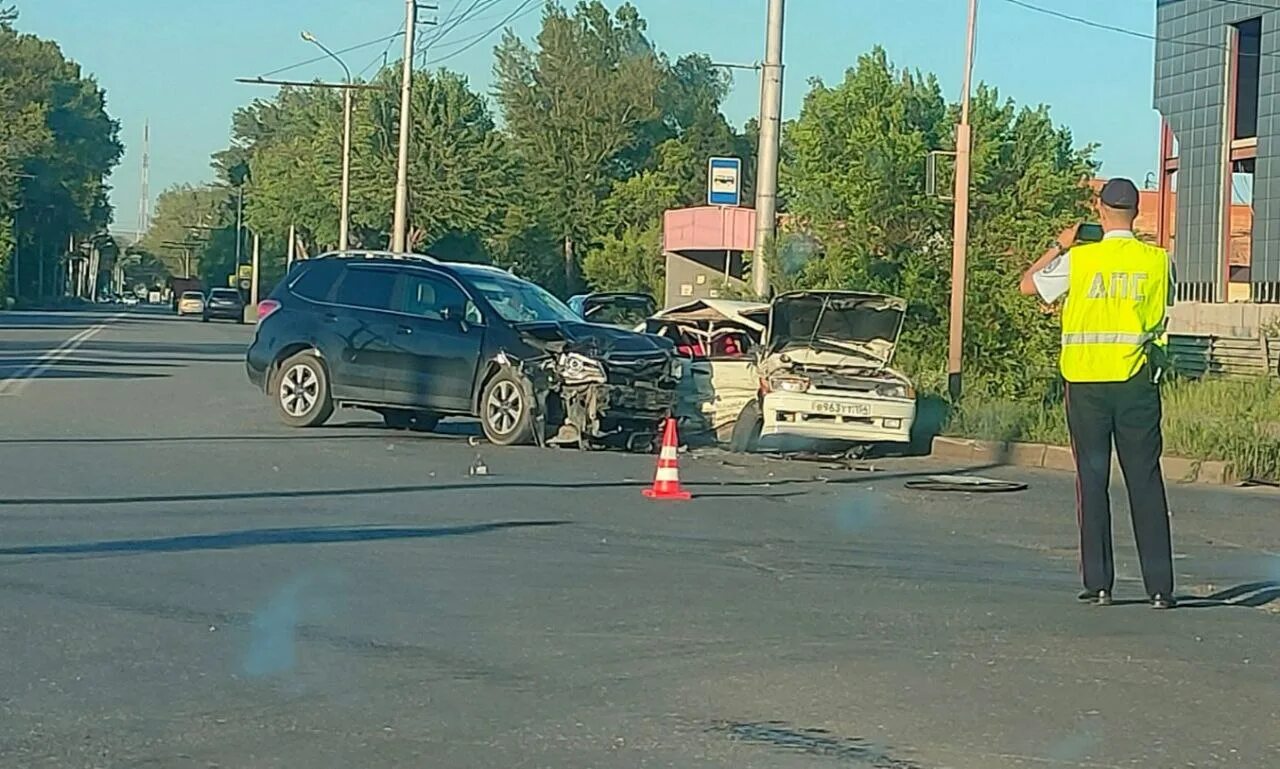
330 318
404 330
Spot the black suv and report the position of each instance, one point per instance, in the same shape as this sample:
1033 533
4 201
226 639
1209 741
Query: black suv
414 339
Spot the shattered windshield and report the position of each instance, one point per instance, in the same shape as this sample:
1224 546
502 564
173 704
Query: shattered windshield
518 301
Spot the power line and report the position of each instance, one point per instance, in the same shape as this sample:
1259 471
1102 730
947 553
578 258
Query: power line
338 52
1133 32
450 24
521 11
386 49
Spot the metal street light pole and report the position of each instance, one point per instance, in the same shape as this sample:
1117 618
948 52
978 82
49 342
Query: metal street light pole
960 240
345 222
400 221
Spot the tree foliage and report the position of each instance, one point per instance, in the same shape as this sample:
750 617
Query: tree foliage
854 178
57 145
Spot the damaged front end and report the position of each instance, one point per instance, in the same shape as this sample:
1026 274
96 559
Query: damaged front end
598 386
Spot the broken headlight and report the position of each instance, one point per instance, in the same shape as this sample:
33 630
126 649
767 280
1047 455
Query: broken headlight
579 369
895 390
676 369
788 383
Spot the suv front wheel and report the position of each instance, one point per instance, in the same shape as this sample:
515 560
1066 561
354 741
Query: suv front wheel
505 412
301 391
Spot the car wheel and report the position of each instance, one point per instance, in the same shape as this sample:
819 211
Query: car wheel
505 413
746 431
302 391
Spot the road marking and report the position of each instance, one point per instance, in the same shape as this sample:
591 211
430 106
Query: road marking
16 383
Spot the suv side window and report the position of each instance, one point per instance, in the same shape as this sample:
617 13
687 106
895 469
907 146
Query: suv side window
433 296
316 281
367 287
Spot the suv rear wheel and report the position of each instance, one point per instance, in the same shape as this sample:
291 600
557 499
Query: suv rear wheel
505 412
301 391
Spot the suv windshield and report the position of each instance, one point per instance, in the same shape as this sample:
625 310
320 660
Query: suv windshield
520 302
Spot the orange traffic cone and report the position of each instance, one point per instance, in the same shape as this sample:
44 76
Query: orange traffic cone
666 484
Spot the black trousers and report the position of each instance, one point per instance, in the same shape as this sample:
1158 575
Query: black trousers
1127 413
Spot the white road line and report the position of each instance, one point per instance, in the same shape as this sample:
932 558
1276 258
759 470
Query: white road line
15 384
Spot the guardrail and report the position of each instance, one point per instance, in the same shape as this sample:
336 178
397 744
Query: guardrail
1198 355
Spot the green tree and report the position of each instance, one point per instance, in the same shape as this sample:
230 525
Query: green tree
291 145
854 177
582 111
202 216
57 145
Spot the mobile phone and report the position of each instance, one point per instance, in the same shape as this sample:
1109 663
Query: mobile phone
1089 233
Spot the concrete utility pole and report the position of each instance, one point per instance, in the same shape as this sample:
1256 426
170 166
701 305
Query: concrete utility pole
960 241
400 222
767 163
253 281
345 221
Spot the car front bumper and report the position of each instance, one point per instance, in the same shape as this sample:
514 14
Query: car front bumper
853 420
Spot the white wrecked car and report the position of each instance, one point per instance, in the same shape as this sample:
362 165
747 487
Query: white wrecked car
717 339
810 368
824 372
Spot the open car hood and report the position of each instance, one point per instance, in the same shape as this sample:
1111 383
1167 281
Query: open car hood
620 309
592 339
862 324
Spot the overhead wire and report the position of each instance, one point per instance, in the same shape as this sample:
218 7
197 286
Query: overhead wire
1130 32
338 52
521 11
382 56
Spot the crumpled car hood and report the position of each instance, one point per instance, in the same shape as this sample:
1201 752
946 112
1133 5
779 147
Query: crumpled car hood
829 320
591 339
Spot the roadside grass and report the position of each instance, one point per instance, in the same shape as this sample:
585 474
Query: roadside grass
1236 421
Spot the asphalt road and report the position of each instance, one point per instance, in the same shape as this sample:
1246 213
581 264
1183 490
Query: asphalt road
186 583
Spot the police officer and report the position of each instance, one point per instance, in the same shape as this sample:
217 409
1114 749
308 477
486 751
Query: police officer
1117 292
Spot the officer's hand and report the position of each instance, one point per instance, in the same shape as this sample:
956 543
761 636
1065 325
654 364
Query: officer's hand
1067 238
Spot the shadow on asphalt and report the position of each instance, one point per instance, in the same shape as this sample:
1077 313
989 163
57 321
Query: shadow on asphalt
474 486
235 540
1252 595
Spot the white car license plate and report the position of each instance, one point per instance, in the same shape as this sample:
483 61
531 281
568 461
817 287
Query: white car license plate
842 409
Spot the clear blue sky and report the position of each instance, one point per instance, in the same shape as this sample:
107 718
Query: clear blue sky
174 61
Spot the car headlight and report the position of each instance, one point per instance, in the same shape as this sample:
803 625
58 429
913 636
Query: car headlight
789 384
676 369
895 390
579 369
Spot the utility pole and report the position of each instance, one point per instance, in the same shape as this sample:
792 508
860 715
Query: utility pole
960 240
253 283
399 224
767 159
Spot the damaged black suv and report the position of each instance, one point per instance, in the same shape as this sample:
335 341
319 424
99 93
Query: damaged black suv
416 339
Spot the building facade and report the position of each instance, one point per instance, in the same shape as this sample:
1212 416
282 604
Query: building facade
1217 86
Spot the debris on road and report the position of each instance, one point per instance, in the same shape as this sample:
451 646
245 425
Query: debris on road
965 483
478 467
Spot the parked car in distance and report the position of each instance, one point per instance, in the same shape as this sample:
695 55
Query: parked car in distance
191 303
624 310
130 300
415 339
224 303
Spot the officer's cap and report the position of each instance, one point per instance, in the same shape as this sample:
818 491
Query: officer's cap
1120 193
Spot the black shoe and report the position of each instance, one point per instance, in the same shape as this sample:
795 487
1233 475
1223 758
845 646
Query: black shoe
1097 597
1162 601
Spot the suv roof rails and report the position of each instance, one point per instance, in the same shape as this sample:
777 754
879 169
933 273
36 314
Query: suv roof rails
370 254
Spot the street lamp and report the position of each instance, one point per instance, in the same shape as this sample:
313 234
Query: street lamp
344 222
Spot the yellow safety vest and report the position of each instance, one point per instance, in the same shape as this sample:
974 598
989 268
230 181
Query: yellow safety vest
1116 303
